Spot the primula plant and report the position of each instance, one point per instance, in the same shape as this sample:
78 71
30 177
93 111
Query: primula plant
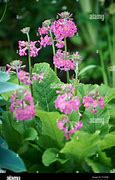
51 125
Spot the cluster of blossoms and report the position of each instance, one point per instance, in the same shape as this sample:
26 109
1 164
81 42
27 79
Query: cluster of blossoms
66 126
24 46
15 66
63 27
45 36
24 77
62 61
67 102
91 104
22 105
53 33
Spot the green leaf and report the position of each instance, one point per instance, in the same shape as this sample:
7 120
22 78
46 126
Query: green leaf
44 93
74 116
50 156
97 167
46 142
84 70
4 76
100 163
107 92
49 126
108 141
11 161
84 89
30 134
6 87
9 133
98 122
82 147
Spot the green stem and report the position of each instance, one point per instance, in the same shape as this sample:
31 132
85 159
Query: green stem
53 48
17 76
24 126
29 61
1 19
103 68
109 41
67 72
113 59
76 71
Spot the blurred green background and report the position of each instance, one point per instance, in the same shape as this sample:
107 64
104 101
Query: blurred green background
94 41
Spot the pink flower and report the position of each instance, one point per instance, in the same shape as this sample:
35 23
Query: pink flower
91 104
68 128
63 28
78 126
61 61
45 41
22 105
60 44
38 77
87 101
24 77
101 102
27 113
67 105
43 31
61 123
24 46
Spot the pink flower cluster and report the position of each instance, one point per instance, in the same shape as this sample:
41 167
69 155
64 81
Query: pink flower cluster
62 61
22 105
66 126
24 77
15 66
24 46
91 104
66 102
63 28
45 41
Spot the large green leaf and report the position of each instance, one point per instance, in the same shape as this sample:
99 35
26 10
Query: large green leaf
30 134
11 161
82 147
4 76
100 121
49 126
44 93
52 155
108 141
100 163
46 142
10 134
98 167
85 89
7 86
